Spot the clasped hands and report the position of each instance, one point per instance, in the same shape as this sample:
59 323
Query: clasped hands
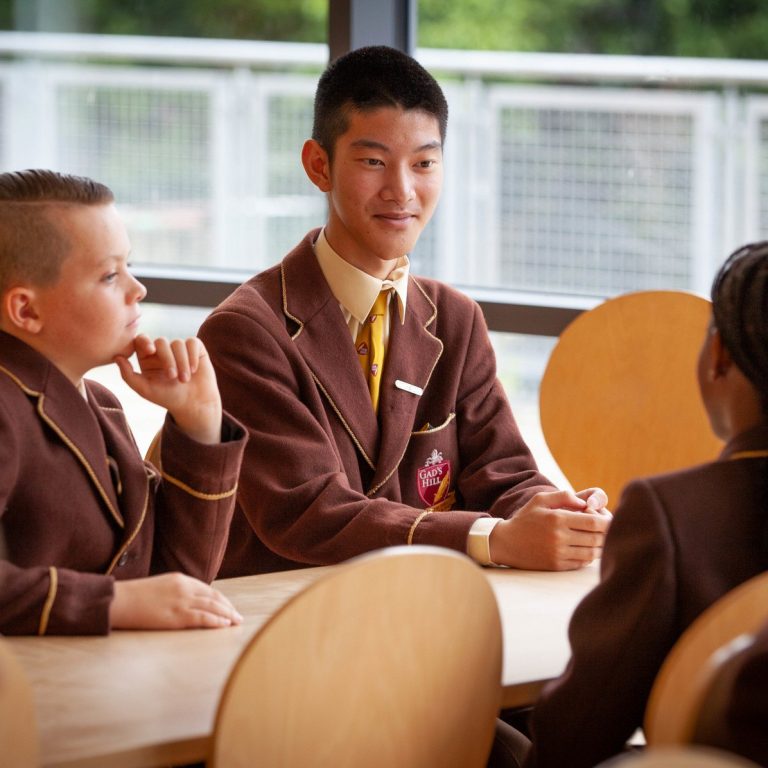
553 531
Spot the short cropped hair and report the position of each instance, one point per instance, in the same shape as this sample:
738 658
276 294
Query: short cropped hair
369 78
32 247
740 312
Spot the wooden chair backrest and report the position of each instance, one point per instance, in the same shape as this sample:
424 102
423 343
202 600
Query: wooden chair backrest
19 746
680 687
392 659
619 398
679 757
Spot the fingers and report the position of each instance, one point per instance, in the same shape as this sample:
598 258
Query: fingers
143 346
568 558
596 498
200 605
212 609
578 521
170 601
176 359
592 541
129 376
591 500
167 359
185 356
578 547
125 367
543 536
558 500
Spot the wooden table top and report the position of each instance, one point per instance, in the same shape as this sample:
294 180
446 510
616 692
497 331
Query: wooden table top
149 698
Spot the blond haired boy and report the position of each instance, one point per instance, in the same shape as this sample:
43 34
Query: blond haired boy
95 538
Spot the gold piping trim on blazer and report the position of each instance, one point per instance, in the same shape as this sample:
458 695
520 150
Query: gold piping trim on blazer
19 383
46 613
88 468
343 421
133 535
114 471
154 454
40 398
199 494
749 455
317 381
415 523
285 305
451 417
426 384
54 575
429 301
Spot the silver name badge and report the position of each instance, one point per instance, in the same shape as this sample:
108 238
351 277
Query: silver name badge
412 388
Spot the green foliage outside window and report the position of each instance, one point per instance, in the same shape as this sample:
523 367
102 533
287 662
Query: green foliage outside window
710 28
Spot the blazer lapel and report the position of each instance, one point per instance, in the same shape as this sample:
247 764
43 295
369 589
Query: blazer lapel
128 472
308 301
66 413
412 355
75 423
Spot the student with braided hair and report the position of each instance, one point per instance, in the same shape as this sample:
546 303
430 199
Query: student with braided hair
678 541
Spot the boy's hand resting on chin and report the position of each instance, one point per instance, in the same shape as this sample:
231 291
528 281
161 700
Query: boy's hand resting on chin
178 376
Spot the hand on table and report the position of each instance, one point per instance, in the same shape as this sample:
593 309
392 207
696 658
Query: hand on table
169 601
554 531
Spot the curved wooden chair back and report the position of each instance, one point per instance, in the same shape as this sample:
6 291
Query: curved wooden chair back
18 731
392 659
679 757
619 398
680 689
734 712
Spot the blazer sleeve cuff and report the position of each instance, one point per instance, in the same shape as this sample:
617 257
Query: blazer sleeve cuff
208 472
443 529
76 603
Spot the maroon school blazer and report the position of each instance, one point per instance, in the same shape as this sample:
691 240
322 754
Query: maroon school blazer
677 543
323 479
79 507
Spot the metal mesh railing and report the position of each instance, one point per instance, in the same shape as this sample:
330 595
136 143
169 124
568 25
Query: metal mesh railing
558 189
596 202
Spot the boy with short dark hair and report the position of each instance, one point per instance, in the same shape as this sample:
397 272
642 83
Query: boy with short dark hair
371 398
91 531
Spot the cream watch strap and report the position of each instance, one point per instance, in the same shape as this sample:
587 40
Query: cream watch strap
479 539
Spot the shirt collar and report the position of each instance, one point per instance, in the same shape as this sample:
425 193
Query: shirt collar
753 439
356 290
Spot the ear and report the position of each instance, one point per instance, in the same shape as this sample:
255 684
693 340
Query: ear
20 310
720 358
316 165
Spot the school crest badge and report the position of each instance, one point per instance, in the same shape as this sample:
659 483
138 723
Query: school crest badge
433 482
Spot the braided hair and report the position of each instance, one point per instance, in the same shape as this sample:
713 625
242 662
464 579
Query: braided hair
740 311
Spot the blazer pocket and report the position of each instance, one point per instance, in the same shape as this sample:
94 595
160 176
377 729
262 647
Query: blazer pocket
428 429
431 466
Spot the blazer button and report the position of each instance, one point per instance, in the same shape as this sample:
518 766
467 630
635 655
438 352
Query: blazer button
123 559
